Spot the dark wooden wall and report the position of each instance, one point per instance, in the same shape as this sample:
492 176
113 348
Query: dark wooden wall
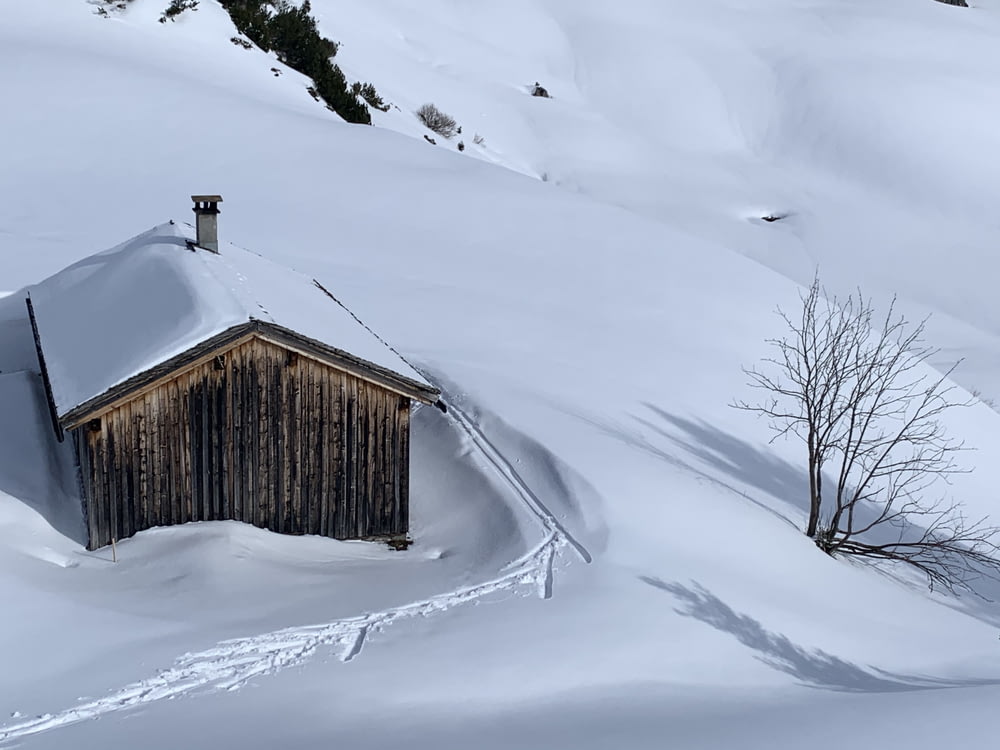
259 434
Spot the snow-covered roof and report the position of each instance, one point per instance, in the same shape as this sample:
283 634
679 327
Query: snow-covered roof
121 312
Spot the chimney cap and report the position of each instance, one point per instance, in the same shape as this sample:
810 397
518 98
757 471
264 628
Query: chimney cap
207 198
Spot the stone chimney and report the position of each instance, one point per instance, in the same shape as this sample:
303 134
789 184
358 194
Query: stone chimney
206 211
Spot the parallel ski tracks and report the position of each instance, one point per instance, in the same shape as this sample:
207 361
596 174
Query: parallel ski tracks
231 664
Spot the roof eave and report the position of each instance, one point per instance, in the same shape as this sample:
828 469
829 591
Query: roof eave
127 389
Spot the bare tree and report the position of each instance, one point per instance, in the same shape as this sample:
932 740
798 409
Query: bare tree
437 120
856 389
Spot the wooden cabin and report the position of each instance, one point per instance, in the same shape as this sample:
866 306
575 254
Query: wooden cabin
200 384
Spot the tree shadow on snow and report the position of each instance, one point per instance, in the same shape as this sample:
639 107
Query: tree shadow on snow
725 461
812 667
747 465
731 456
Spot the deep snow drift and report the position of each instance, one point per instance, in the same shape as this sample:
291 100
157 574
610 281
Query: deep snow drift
584 286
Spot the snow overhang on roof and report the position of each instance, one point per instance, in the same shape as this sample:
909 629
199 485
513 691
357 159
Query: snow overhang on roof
109 320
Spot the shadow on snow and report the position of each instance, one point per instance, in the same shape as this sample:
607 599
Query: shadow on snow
812 667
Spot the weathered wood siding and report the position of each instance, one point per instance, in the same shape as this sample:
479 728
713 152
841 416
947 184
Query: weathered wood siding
257 434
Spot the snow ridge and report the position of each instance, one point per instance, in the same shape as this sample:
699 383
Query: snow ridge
231 664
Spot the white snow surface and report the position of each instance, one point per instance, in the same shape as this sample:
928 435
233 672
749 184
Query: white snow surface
123 311
605 553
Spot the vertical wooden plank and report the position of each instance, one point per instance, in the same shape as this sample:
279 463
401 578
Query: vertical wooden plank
364 443
372 454
237 440
212 444
268 438
314 436
252 461
150 474
332 477
366 501
342 463
327 485
204 449
183 436
304 444
274 442
263 457
157 469
142 463
395 462
83 450
387 402
93 439
232 500
248 403
172 506
281 391
167 506
284 391
352 439
299 518
103 500
404 469
375 460
197 453
281 442
112 468
219 444
181 514
298 467
323 496
166 496
135 463
114 472
128 463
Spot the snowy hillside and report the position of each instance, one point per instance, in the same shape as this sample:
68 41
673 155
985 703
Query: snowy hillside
606 554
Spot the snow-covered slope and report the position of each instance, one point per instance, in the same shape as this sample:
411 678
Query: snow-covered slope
584 286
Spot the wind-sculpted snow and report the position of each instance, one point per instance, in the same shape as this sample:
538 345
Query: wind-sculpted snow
233 663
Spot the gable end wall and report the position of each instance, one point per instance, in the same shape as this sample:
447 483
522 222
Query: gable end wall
258 434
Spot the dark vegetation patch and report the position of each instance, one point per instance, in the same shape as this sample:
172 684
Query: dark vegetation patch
177 7
290 31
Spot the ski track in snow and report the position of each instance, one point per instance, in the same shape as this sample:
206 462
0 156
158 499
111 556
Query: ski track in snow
233 663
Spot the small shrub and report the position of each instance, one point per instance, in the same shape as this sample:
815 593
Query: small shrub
114 6
478 139
461 146
245 44
177 7
436 120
